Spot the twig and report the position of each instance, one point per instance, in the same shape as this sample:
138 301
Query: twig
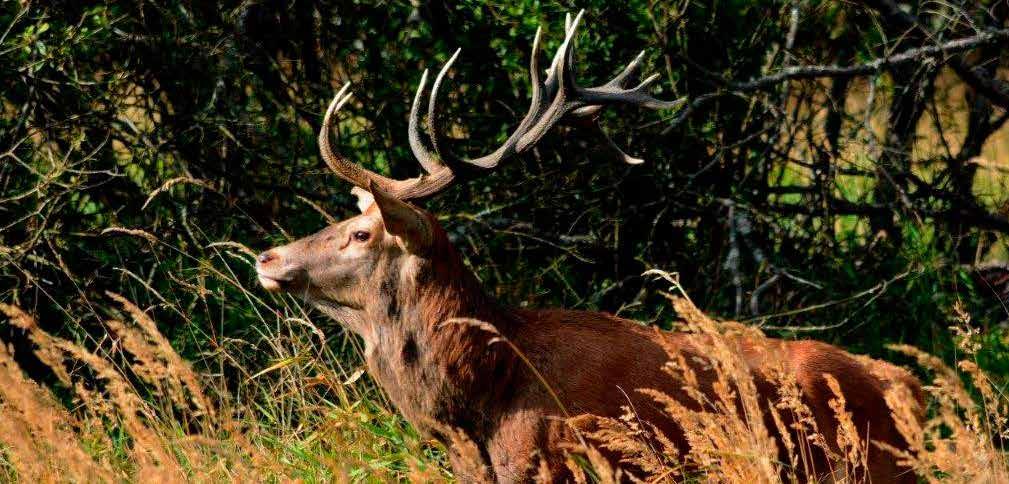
876 291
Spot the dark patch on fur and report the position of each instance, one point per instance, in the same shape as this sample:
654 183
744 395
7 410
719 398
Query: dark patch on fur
424 275
410 351
389 292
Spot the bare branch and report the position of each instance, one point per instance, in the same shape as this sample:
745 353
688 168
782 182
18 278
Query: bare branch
870 68
994 90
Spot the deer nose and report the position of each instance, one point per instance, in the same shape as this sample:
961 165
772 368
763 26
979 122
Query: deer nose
266 257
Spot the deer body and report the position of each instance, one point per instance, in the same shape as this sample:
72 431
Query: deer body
434 338
449 377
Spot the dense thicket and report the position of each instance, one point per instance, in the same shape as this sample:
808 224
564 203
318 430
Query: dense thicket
853 196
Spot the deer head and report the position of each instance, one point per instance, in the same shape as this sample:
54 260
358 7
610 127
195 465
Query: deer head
338 265
392 243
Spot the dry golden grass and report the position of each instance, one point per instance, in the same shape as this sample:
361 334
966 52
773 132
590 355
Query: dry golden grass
41 438
725 445
139 412
105 396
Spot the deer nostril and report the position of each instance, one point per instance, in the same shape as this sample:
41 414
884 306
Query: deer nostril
266 257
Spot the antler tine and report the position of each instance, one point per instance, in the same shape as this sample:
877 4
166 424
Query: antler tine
411 188
613 147
637 95
570 26
618 81
336 162
551 84
536 105
590 111
536 94
564 85
427 159
631 68
438 139
583 102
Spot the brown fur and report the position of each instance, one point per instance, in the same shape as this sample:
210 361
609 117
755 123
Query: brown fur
398 295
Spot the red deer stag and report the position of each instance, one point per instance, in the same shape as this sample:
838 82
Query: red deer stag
391 276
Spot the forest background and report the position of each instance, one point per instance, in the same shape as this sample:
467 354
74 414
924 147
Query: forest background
839 172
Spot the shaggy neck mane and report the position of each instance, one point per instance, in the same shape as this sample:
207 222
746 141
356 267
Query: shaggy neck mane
457 315
447 289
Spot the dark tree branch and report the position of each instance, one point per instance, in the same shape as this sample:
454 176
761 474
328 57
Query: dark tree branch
875 66
993 89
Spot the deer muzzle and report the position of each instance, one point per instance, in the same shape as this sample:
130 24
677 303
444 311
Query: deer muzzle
276 273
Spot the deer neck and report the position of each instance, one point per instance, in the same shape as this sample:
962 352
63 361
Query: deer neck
424 347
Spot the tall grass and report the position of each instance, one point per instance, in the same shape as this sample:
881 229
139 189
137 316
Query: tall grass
131 409
134 410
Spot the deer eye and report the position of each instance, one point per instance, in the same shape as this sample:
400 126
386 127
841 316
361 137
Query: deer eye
361 236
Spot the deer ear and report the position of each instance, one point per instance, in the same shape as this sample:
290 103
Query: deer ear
364 198
403 220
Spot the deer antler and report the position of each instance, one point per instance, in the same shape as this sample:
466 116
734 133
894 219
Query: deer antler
437 178
553 99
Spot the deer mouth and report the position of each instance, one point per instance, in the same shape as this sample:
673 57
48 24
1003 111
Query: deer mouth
272 284
279 283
